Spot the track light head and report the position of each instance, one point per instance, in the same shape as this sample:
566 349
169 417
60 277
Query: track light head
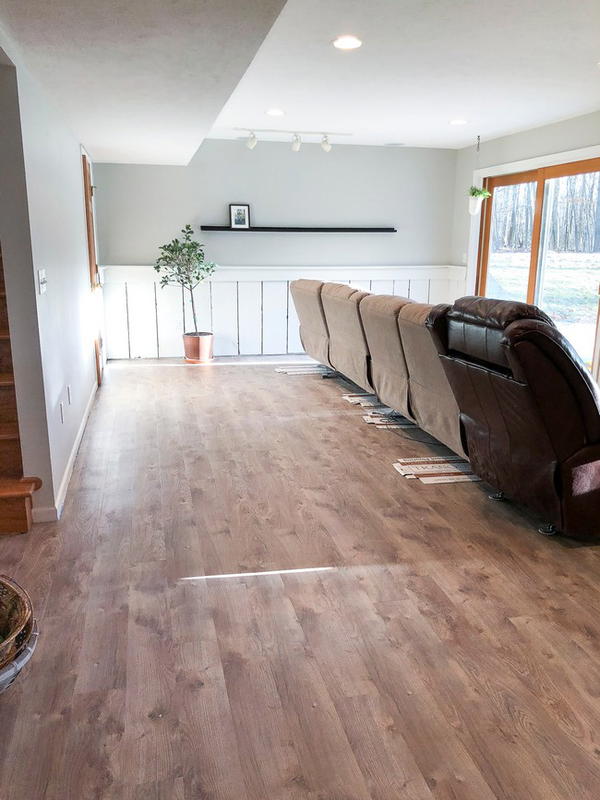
252 141
296 143
325 144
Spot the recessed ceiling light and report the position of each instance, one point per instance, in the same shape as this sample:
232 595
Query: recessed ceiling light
347 41
275 112
458 122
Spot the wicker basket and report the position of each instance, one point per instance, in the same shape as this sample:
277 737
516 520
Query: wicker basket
8 674
16 619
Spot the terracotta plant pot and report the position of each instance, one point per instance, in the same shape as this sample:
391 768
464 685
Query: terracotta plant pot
198 347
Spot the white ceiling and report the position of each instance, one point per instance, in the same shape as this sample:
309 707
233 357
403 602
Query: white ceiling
139 80
503 65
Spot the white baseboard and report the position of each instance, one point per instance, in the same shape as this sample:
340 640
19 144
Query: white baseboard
44 514
53 513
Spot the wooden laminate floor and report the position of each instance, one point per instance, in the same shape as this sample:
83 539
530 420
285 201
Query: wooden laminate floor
434 646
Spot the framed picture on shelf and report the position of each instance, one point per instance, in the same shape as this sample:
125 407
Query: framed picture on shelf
239 215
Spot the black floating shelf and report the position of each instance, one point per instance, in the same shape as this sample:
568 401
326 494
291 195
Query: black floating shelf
256 229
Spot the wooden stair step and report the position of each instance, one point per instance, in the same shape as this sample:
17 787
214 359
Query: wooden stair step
4 335
6 379
15 504
18 487
9 430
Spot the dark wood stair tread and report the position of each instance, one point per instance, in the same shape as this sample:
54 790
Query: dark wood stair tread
6 379
18 487
9 430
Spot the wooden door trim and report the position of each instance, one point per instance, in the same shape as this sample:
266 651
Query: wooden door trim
484 237
540 176
516 177
536 239
572 168
530 176
89 221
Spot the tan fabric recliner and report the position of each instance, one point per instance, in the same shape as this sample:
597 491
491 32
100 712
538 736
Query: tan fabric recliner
348 350
389 372
314 335
431 398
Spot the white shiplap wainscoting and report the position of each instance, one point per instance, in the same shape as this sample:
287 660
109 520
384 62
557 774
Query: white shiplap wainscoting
249 309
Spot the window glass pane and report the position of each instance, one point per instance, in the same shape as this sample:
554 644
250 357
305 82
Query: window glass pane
509 256
569 263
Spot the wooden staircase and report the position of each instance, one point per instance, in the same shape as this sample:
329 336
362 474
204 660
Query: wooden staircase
15 490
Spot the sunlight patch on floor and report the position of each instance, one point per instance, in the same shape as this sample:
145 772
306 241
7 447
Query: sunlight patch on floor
257 574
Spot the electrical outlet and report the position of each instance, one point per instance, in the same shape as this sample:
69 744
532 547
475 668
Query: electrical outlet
69 398
62 413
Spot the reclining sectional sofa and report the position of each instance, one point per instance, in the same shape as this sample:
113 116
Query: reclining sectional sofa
493 380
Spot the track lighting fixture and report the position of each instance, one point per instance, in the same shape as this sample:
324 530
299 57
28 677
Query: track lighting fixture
298 138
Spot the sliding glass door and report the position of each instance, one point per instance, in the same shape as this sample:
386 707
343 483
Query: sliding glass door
569 262
540 243
510 238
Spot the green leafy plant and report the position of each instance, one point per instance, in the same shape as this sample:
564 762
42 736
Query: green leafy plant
181 263
477 191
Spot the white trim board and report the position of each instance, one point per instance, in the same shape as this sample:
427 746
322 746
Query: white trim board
54 513
120 272
550 160
537 162
249 309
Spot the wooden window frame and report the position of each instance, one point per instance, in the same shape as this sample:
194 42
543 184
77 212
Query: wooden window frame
540 176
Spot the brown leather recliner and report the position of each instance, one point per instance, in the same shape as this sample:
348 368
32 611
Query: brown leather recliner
313 327
529 409
348 349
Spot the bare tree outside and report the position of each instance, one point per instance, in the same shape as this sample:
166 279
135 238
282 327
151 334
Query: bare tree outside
569 262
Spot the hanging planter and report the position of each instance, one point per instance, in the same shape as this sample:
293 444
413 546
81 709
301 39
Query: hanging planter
476 197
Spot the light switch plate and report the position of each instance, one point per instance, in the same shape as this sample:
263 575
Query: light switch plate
42 282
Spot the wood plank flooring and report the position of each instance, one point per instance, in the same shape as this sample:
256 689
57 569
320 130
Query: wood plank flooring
447 651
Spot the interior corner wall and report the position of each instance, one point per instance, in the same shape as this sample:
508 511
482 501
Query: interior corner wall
50 235
140 207
570 134
18 272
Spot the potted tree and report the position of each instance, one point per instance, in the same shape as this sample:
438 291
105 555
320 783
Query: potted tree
476 197
181 263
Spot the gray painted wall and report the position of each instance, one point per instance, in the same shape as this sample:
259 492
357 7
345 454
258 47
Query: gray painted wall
43 227
570 134
59 245
140 207
18 272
